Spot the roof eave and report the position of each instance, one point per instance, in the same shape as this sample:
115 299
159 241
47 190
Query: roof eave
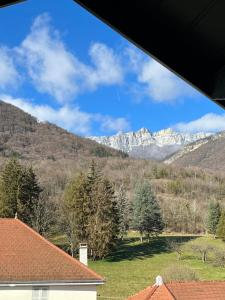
10 2
51 283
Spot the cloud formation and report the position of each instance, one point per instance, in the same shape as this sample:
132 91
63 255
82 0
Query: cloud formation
54 70
154 80
9 76
208 123
68 116
57 71
110 124
161 85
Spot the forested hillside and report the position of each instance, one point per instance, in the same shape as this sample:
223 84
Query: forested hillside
57 156
21 135
208 153
183 193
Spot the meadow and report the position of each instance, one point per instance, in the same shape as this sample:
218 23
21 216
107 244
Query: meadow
134 266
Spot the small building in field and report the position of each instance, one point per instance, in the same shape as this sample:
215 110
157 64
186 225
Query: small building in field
32 268
193 290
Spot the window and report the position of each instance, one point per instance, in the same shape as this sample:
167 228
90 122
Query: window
40 293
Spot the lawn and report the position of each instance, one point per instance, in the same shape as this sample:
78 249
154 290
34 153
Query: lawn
133 266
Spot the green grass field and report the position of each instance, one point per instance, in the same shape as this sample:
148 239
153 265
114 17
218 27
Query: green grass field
133 266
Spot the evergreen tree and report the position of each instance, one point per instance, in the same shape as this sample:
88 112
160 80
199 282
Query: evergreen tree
220 232
147 216
93 178
76 208
10 183
19 192
124 211
93 175
91 214
28 196
214 213
103 229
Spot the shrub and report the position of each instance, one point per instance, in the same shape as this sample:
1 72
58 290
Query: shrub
220 231
219 260
179 272
203 249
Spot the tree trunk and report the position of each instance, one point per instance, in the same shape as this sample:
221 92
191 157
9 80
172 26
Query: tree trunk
72 249
204 257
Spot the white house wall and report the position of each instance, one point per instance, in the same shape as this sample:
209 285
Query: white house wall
55 293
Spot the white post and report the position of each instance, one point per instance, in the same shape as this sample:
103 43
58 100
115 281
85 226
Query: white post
83 254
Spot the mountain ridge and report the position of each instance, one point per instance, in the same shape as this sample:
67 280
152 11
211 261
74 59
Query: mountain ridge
150 145
22 135
208 153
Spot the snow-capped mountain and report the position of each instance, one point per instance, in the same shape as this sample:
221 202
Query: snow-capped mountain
150 145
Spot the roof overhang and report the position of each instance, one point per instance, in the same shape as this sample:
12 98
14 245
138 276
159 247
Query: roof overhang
9 2
186 36
13 284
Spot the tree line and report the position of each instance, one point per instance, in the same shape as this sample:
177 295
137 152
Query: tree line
91 210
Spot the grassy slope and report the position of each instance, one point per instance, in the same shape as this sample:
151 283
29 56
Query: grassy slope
134 266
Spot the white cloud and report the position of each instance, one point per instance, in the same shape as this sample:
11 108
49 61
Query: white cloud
108 69
68 117
134 59
114 124
56 71
154 80
52 68
208 123
161 84
8 73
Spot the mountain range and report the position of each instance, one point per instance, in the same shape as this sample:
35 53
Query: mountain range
21 135
151 145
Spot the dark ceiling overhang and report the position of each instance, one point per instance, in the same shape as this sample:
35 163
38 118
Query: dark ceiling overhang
187 36
9 2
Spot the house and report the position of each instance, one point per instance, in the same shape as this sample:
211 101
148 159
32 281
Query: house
32 268
193 290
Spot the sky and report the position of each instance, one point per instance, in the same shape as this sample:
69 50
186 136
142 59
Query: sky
63 65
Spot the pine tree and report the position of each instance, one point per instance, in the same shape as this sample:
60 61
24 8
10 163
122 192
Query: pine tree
91 214
10 183
93 178
103 213
93 175
104 221
147 216
124 211
220 231
214 213
28 196
76 209
19 192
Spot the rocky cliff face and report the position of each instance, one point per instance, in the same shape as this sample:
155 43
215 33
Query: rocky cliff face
150 145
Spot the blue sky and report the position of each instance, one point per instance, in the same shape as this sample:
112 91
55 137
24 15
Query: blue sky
63 65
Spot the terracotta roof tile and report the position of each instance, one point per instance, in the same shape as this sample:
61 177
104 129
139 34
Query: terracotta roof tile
207 290
197 290
153 292
26 256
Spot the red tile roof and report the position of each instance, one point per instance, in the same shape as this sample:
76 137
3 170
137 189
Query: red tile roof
197 290
25 256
